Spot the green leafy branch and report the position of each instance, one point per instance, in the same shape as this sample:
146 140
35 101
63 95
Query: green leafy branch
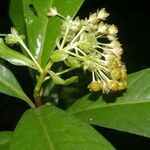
51 37
79 46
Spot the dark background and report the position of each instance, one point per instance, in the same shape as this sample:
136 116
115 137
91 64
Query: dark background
133 21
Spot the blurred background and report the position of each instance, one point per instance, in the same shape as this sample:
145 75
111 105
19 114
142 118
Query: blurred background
133 22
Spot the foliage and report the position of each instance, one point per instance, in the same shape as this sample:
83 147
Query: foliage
54 46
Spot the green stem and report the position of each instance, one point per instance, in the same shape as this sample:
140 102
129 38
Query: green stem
32 57
48 66
37 90
79 33
59 15
64 71
65 37
3 34
38 87
76 55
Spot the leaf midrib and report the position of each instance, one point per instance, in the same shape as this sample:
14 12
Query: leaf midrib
45 130
129 102
44 33
135 79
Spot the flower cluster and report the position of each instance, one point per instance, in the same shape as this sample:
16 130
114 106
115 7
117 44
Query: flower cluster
92 44
13 37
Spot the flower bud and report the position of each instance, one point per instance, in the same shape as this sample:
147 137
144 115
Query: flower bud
75 25
113 30
123 72
93 18
72 62
102 28
111 37
14 31
122 85
109 57
113 85
52 12
87 42
11 39
102 14
111 61
116 74
117 51
115 44
95 86
58 55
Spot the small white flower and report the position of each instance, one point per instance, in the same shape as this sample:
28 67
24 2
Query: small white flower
111 37
102 27
52 12
113 29
93 17
93 44
14 37
14 31
115 44
118 51
102 14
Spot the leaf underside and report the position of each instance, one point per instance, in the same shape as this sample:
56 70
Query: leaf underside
14 57
10 86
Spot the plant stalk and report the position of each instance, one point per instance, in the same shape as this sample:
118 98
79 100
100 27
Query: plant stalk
38 87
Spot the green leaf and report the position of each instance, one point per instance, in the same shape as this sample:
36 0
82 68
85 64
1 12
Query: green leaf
130 112
14 57
17 15
71 80
43 31
10 86
49 128
56 78
5 138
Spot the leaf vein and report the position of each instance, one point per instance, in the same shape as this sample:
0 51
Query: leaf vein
111 105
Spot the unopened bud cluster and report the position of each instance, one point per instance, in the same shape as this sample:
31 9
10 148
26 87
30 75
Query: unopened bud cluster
13 37
92 44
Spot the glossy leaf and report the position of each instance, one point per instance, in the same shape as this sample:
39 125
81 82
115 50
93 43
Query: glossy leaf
10 86
17 15
14 57
130 112
5 138
50 128
43 31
